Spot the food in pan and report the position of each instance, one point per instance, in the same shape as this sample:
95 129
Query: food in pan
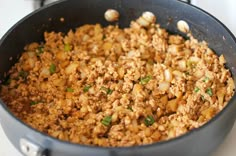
107 86
111 15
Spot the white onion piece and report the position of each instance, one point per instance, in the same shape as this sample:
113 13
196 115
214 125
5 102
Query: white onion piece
164 86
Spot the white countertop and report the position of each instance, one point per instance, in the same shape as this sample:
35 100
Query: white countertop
13 10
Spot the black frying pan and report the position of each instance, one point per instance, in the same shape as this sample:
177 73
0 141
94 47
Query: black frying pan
199 142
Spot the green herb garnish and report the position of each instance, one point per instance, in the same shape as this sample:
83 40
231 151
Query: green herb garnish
39 50
186 73
202 97
52 68
145 79
67 47
106 120
130 108
196 89
69 90
86 88
209 91
33 103
107 90
149 120
205 79
23 74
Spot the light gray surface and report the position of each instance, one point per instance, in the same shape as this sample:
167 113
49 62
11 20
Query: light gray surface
13 10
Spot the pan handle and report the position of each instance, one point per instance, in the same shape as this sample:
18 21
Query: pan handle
28 148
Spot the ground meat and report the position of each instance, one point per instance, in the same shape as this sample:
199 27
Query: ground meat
107 86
